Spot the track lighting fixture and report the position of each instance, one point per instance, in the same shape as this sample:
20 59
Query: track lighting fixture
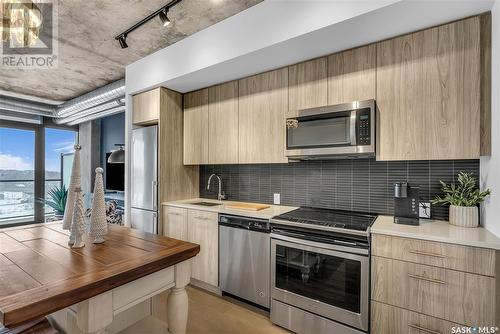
165 21
123 41
162 13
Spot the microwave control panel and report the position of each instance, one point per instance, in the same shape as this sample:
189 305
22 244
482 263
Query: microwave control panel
363 127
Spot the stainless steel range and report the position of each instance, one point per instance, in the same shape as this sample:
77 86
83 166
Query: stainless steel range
320 271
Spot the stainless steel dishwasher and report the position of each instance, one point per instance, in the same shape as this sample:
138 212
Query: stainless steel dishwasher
244 258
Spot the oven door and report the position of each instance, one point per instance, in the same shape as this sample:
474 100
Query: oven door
321 279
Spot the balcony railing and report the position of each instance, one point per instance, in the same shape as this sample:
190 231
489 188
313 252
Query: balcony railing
17 199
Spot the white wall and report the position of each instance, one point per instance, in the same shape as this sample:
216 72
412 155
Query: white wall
490 166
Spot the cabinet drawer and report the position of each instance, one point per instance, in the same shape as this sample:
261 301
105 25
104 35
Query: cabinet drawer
443 293
464 258
387 319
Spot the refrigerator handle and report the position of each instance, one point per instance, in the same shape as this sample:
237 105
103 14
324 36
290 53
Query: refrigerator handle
155 223
154 189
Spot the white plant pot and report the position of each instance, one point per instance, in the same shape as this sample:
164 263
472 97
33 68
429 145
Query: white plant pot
465 216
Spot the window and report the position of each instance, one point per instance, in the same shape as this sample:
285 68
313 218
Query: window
34 159
17 174
59 146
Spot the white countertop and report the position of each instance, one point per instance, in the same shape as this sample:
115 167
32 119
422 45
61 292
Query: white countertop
437 230
273 210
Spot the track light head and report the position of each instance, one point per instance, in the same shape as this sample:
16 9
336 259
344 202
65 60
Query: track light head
123 41
165 21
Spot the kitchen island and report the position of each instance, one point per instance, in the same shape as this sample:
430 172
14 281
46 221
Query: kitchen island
86 289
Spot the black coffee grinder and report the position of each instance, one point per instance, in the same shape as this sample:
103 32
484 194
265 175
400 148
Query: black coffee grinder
406 204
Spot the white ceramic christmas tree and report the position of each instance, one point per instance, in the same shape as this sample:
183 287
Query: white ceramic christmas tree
78 221
75 181
98 224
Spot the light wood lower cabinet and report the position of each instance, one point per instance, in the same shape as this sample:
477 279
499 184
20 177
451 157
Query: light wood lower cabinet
446 294
421 286
175 223
203 229
464 258
387 319
199 227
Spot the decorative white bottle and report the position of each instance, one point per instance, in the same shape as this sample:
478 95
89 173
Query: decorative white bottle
98 224
75 181
78 222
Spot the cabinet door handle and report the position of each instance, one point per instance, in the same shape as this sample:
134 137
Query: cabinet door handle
416 252
174 214
423 278
423 329
201 218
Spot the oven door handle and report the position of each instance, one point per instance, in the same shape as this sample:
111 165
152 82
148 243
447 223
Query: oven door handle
308 243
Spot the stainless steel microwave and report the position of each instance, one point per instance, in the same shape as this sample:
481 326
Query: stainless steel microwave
333 131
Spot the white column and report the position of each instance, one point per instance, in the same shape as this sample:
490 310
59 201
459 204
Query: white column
95 314
177 303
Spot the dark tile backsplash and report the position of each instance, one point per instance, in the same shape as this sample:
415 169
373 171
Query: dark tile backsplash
348 184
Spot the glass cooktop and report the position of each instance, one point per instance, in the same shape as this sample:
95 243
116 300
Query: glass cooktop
329 218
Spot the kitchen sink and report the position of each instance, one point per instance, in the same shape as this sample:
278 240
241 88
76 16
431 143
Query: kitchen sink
205 203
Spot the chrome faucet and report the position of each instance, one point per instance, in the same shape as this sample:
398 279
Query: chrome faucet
220 194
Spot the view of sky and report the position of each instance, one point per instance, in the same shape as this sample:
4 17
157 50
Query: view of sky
17 148
56 142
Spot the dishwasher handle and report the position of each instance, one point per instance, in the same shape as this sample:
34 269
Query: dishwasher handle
246 223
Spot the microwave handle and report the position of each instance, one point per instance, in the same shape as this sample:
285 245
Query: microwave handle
353 127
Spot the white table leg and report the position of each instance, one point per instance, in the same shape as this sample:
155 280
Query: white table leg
95 314
177 303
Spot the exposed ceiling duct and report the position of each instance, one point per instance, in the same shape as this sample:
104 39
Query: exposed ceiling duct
104 101
26 107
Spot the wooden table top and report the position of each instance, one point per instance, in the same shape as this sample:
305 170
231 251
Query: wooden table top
40 274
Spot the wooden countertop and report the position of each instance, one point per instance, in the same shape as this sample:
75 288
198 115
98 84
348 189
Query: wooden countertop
273 210
40 274
437 230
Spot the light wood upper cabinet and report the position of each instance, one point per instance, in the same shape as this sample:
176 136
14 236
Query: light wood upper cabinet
223 123
203 229
263 102
352 75
196 127
308 85
428 94
146 107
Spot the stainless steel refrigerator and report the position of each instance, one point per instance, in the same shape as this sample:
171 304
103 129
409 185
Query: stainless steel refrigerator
144 179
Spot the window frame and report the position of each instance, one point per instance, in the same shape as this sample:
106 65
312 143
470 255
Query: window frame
39 162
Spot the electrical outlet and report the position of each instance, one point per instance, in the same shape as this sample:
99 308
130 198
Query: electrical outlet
425 210
277 199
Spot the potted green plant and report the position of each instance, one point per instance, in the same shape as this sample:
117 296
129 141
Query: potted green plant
463 199
57 200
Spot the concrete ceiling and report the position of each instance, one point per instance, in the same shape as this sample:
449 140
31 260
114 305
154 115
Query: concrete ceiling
89 57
